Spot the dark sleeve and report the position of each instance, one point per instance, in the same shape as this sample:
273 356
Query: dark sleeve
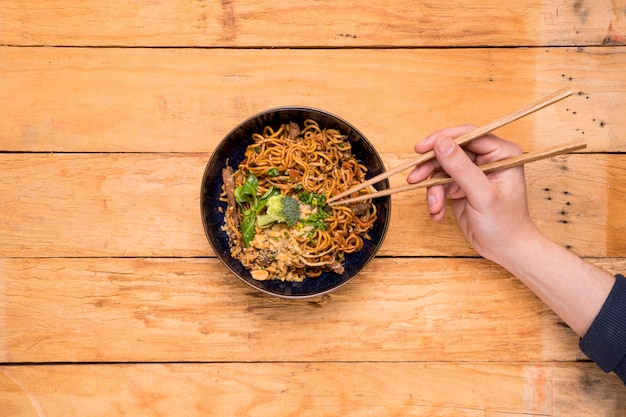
605 341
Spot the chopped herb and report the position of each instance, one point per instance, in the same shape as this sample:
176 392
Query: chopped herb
273 172
250 203
316 201
312 199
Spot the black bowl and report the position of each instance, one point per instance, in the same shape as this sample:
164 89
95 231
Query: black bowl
233 146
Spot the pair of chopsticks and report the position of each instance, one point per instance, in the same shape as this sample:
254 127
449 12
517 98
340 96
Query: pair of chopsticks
476 133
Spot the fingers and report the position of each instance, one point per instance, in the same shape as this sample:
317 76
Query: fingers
435 195
461 164
488 148
470 179
423 171
491 148
436 201
453 132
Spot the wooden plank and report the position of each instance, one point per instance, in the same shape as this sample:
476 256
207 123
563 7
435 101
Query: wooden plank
187 100
162 310
148 205
97 204
288 24
313 389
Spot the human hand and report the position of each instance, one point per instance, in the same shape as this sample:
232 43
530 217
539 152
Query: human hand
492 209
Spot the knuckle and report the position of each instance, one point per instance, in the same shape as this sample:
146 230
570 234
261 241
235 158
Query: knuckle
516 149
468 126
461 162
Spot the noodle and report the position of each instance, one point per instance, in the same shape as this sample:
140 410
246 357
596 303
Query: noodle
308 163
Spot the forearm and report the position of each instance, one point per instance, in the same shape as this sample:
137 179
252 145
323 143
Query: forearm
573 288
492 212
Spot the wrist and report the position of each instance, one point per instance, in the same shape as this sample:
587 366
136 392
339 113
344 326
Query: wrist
572 287
519 249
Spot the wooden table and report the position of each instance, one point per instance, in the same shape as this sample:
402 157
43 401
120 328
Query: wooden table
111 300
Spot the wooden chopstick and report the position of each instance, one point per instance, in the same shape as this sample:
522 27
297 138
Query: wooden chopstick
487 168
476 133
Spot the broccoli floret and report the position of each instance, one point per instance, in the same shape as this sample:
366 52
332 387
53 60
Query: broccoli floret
281 209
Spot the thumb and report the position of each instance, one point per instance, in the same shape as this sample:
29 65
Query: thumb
460 168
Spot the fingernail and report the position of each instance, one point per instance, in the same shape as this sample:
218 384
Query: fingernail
421 142
445 145
427 139
432 201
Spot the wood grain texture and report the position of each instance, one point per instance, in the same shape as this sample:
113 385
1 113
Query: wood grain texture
111 301
313 389
245 23
65 205
187 100
163 310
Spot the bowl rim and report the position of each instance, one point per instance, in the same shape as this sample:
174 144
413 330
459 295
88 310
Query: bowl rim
212 160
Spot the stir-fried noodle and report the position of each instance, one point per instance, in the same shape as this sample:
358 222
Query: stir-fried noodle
308 164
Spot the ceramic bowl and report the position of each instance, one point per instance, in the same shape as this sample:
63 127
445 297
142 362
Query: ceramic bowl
232 148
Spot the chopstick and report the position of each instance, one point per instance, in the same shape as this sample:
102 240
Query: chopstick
461 140
487 168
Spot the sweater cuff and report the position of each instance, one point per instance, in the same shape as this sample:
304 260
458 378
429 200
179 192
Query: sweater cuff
605 341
